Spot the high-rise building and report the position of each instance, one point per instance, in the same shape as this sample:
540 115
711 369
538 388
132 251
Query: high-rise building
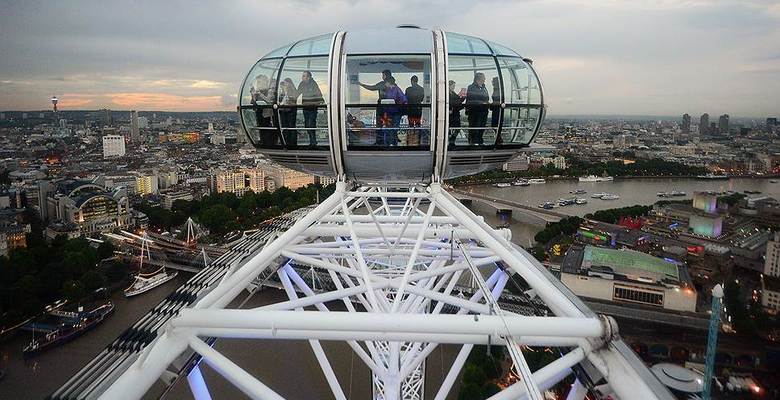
211 127
135 133
704 124
113 146
771 121
686 124
108 119
723 124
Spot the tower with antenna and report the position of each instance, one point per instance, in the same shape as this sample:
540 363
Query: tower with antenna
54 101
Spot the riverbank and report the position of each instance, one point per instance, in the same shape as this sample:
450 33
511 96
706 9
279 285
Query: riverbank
616 178
37 377
630 191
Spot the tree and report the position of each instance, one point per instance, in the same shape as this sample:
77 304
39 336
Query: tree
116 271
105 250
92 280
217 217
73 290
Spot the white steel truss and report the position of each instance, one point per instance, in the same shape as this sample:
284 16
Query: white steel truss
398 261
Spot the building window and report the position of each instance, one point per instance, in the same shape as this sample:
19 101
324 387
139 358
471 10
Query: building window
638 296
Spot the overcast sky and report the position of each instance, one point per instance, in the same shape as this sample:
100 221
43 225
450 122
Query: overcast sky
594 57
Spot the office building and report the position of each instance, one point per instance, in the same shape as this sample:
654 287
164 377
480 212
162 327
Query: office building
772 258
686 124
170 197
723 124
519 163
231 182
285 177
770 294
704 124
113 146
135 133
146 184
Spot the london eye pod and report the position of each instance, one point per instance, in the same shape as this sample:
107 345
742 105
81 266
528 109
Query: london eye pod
324 105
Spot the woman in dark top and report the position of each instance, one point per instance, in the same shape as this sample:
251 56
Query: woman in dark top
311 97
477 100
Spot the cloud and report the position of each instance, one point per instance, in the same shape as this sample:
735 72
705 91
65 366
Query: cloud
165 102
601 56
206 84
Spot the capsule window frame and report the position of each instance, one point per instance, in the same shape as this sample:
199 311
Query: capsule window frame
280 142
427 107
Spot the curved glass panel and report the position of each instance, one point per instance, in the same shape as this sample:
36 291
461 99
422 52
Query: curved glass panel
474 101
260 83
501 50
457 43
520 83
280 52
388 102
318 45
519 125
375 41
303 88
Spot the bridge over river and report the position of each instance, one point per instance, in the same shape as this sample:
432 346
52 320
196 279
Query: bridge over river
541 215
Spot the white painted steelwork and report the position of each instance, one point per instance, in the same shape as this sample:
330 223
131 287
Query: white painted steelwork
396 281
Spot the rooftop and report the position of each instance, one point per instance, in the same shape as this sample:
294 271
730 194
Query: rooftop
629 262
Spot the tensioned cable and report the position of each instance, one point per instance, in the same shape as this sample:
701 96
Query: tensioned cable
521 366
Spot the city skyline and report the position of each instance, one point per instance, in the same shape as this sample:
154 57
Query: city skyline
670 58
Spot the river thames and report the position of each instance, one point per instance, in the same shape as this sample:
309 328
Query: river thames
290 367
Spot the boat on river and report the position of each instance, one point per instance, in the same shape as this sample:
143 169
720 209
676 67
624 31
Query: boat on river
522 182
503 185
71 325
594 178
144 283
673 193
711 176
536 180
610 196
